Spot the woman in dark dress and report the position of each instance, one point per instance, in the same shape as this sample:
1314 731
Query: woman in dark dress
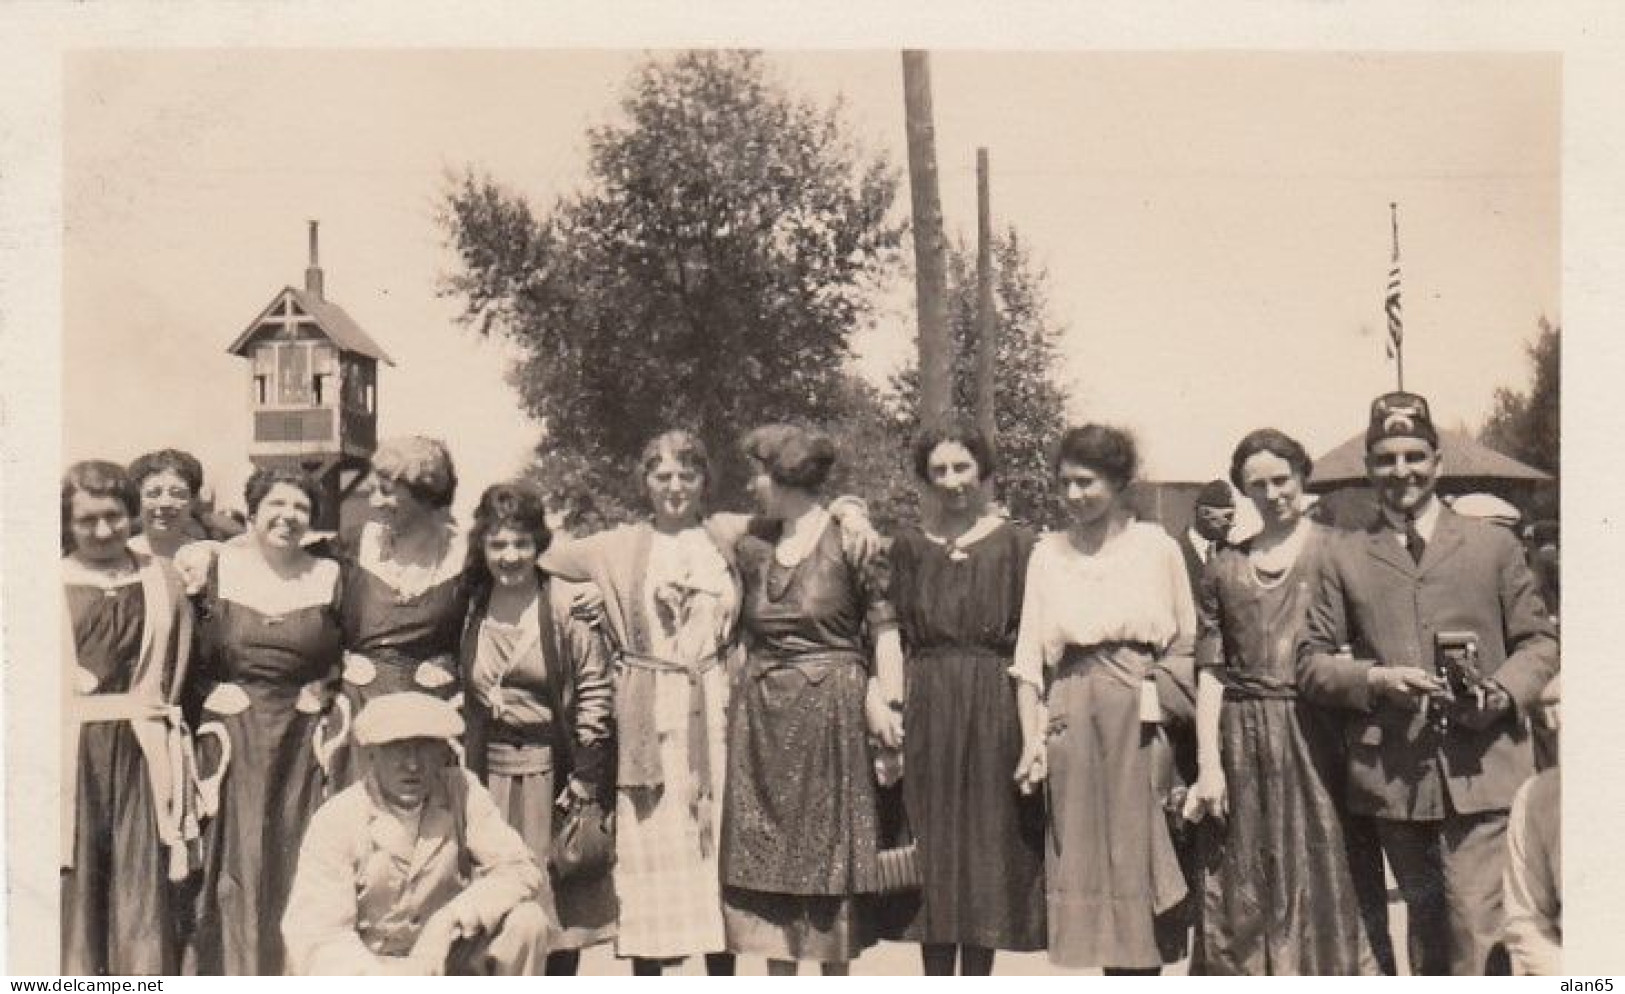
800 835
1277 895
539 702
270 651
957 586
129 823
404 599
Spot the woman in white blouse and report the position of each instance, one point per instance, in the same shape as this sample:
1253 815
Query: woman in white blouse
1107 608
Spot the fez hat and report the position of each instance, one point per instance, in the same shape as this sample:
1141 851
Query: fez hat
1400 415
408 714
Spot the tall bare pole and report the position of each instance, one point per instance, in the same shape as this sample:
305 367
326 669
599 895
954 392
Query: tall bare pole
987 327
930 267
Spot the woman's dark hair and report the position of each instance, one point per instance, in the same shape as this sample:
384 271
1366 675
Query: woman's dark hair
261 482
793 456
1106 450
504 505
958 433
1277 443
182 464
683 446
95 478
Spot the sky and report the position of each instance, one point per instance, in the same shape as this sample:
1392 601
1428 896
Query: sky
1215 227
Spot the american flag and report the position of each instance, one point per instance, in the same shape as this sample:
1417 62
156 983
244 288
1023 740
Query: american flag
1390 304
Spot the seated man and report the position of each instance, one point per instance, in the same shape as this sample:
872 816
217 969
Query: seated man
411 870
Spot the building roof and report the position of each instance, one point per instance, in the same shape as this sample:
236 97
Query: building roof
334 322
1465 457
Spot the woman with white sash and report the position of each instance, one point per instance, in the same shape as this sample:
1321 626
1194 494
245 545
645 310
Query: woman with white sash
129 815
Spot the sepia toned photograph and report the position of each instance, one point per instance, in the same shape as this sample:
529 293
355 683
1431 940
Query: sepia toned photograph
890 512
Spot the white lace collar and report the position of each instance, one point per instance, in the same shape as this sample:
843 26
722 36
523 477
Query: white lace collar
412 580
986 525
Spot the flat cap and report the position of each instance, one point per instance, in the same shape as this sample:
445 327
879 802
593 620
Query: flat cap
408 714
1215 493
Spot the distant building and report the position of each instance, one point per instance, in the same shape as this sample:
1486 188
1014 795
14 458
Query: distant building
313 389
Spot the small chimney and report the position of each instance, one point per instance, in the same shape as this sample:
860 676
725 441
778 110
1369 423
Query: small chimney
313 273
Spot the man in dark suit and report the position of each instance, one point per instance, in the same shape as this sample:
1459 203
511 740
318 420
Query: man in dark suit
1212 518
1436 767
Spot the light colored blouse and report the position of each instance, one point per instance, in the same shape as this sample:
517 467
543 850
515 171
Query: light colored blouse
691 604
1134 589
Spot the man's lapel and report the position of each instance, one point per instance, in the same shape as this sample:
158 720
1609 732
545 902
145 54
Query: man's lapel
1382 545
1447 540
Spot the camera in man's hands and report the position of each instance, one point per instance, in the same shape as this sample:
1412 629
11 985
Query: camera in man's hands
1455 663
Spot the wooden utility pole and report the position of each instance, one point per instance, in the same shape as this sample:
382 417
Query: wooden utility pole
987 326
930 266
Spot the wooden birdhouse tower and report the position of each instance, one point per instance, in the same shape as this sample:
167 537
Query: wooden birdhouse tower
313 389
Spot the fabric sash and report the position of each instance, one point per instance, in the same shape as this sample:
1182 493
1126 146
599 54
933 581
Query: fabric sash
150 707
701 801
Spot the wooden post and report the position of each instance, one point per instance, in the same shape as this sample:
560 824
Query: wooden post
930 265
987 325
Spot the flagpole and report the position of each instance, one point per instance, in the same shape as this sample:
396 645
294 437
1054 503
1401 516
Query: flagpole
1398 339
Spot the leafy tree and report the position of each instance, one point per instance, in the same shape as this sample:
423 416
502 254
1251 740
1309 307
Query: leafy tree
1525 425
872 437
1030 405
708 275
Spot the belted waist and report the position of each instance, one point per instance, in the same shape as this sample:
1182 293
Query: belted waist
94 708
509 759
642 661
1251 687
233 697
431 673
167 753
962 649
784 660
1079 657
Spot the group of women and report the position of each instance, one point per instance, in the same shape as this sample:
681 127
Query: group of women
742 705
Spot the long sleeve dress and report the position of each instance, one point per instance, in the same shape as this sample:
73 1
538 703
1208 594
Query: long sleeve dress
981 843
128 649
269 678
1277 895
672 605
1094 629
538 698
800 834
397 638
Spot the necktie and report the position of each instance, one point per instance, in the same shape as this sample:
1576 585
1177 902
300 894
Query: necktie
1415 544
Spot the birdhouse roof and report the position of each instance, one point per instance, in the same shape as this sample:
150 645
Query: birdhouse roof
332 319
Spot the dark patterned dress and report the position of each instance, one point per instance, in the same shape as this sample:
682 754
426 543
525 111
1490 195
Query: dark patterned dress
395 640
981 843
1277 895
117 903
800 833
271 679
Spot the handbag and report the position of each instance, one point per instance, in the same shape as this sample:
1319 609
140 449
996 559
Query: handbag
583 841
900 869
898 859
